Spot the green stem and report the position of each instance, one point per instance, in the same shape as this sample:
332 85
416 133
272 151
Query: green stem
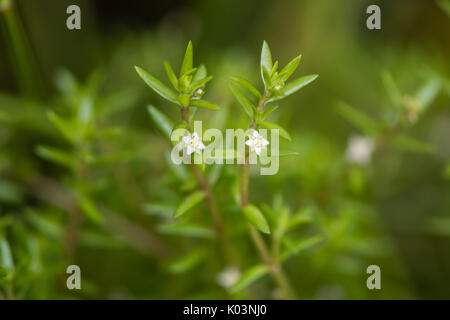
263 251
211 202
23 63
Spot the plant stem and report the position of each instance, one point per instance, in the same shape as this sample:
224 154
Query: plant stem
24 65
274 267
269 259
211 202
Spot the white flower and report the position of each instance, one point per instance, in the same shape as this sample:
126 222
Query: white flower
228 277
359 149
193 143
256 142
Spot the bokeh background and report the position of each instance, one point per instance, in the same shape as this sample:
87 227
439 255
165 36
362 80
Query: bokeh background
393 212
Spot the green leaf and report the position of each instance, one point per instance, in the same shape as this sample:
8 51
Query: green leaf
391 88
204 104
186 230
406 143
358 119
89 209
270 125
6 259
56 156
200 83
189 202
200 74
248 277
172 77
289 69
157 86
242 99
293 86
188 60
247 85
163 123
428 92
188 262
255 216
269 111
63 126
295 247
159 209
274 69
266 61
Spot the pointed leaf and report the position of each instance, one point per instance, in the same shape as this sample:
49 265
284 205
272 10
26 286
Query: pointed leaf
247 85
56 156
89 209
410 144
255 216
269 111
270 125
200 74
172 77
204 104
163 123
188 60
289 69
358 119
242 99
295 247
190 230
200 83
189 202
293 86
157 85
266 60
63 126
248 277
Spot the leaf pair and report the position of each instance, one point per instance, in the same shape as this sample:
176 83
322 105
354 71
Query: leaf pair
188 86
275 82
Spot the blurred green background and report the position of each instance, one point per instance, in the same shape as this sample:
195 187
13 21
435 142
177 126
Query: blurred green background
394 212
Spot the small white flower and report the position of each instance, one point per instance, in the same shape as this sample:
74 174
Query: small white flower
193 143
359 149
198 92
277 87
256 142
229 276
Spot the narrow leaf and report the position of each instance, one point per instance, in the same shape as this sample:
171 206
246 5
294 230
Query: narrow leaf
186 230
289 69
56 156
188 60
172 77
242 99
294 86
269 111
266 60
248 277
255 216
189 202
163 123
270 125
410 144
247 85
358 119
204 104
157 85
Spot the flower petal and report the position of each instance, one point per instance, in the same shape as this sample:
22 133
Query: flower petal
189 149
250 142
258 150
186 139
